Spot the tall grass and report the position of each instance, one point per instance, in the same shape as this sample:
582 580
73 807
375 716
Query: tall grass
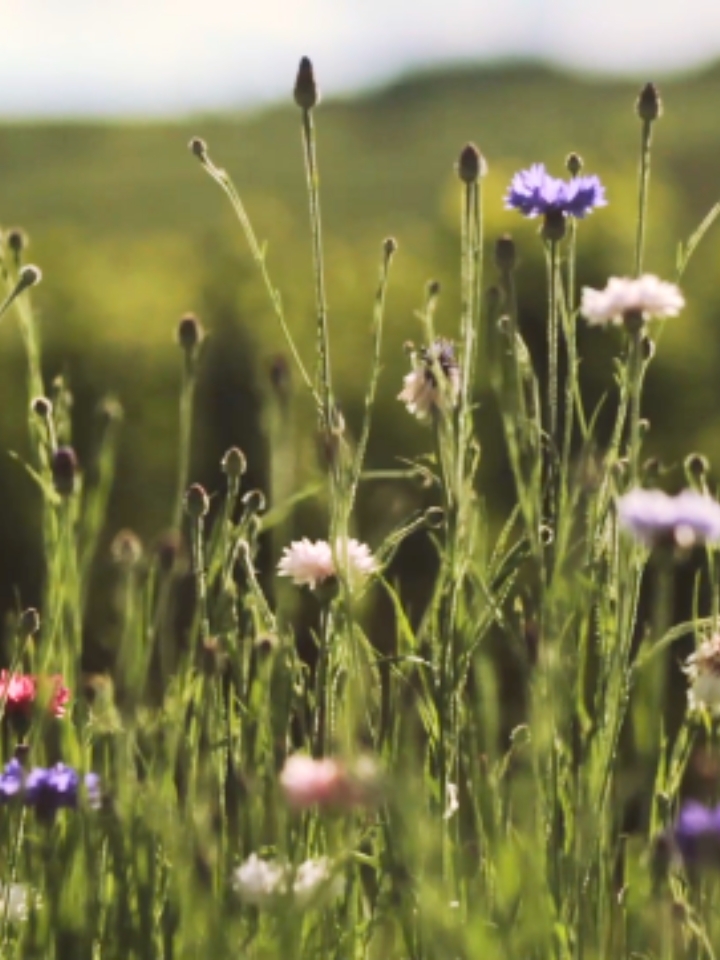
502 782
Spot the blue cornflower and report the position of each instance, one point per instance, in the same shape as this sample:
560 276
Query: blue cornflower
535 193
696 833
48 789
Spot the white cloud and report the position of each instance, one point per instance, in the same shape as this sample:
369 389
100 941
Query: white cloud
164 55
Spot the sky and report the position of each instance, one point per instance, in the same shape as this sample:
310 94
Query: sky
160 57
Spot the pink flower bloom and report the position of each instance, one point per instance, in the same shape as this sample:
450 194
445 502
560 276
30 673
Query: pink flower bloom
19 691
328 783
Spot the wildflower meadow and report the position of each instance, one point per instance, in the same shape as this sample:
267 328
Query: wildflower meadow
529 769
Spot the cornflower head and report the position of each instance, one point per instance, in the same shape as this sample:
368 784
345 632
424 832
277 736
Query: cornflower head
311 563
18 693
262 882
328 783
657 519
48 789
702 669
695 835
631 302
534 193
434 382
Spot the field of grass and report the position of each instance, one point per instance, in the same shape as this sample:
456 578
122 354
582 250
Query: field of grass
442 726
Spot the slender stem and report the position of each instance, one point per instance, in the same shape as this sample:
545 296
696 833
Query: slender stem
187 392
553 343
643 188
635 382
198 558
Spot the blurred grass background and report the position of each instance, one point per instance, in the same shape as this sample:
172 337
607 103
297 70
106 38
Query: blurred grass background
131 234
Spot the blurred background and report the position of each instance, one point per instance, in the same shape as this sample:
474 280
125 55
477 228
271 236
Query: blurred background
97 104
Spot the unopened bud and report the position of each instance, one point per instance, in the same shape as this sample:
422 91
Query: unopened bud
189 332
389 247
471 165
505 253
42 407
433 289
29 276
435 518
234 463
573 164
697 466
126 549
199 148
649 104
64 470
254 502
197 503
306 91
17 240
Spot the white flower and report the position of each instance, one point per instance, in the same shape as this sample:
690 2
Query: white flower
703 671
422 392
310 564
452 803
261 882
645 297
258 881
15 899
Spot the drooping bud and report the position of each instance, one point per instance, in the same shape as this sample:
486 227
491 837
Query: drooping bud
471 165
505 253
306 90
254 502
29 622
197 503
42 408
234 463
199 148
573 164
649 104
64 470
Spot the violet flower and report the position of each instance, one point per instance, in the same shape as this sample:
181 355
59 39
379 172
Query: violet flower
535 193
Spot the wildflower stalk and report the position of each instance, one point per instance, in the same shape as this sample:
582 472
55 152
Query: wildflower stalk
643 190
187 396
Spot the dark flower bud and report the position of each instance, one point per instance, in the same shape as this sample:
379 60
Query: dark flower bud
470 166
649 104
306 90
197 503
17 240
389 247
573 164
199 148
432 290
553 227
234 463
29 276
189 333
435 518
254 502
697 466
126 549
505 253
42 407
29 622
64 470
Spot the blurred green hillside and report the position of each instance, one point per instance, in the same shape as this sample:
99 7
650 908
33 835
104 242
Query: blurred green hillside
130 234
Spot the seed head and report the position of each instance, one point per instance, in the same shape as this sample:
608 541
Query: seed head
649 104
234 463
306 91
197 503
64 470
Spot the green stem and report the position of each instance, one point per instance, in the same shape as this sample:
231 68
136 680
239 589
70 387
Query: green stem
187 393
643 187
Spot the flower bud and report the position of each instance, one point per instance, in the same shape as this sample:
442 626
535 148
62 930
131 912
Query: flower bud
29 622
197 503
306 90
471 165
234 463
573 164
697 466
42 408
189 333
199 148
126 549
433 290
649 104
254 502
505 253
17 240
64 470
389 247
435 518
29 276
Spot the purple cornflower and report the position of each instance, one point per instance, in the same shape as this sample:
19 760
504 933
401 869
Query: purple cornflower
48 789
696 833
654 518
535 193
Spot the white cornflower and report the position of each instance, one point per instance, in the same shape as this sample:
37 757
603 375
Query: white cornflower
703 671
654 518
624 299
422 392
258 881
311 564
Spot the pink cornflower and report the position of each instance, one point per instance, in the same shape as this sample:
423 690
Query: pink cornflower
19 691
328 782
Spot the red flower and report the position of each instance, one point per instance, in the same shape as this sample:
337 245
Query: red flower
19 691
